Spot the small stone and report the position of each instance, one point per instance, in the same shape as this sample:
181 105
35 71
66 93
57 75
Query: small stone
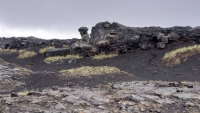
190 86
145 103
40 90
178 90
33 93
189 104
115 111
40 111
136 109
157 110
7 108
130 108
101 107
14 94
55 88
173 84
59 106
117 99
151 110
142 109
62 90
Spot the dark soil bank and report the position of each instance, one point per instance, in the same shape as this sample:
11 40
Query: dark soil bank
140 65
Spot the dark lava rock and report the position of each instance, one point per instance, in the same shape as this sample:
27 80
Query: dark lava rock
14 94
55 88
157 111
190 86
179 90
151 110
33 93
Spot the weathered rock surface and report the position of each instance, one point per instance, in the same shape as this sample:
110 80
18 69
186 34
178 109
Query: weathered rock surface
143 37
84 34
112 36
8 79
56 52
142 96
29 42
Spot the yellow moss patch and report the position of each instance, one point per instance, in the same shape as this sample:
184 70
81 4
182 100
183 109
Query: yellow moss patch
7 51
65 46
180 55
23 93
57 58
22 51
87 71
26 54
45 49
104 56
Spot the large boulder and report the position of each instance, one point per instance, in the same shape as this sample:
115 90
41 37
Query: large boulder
123 35
81 45
103 29
162 38
173 37
142 37
103 43
56 52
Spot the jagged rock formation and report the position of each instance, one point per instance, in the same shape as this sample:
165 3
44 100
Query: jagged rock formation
28 42
143 37
113 37
84 34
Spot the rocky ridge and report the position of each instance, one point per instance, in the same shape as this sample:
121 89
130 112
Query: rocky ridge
112 37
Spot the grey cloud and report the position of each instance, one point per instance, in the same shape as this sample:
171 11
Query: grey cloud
69 15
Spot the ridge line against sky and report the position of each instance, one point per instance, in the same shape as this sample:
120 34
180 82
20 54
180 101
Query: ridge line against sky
62 18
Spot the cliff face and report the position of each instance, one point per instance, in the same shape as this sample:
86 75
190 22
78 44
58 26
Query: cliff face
143 37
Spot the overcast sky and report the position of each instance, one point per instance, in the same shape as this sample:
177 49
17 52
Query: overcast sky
62 18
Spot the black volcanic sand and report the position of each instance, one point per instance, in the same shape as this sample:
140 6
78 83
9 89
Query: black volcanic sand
142 64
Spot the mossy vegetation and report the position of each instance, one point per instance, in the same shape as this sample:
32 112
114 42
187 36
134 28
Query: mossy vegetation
88 71
65 46
8 51
26 54
177 56
104 56
45 49
23 92
58 58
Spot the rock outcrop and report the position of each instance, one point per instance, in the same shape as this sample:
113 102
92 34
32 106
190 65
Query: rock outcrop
113 37
29 42
143 37
84 34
